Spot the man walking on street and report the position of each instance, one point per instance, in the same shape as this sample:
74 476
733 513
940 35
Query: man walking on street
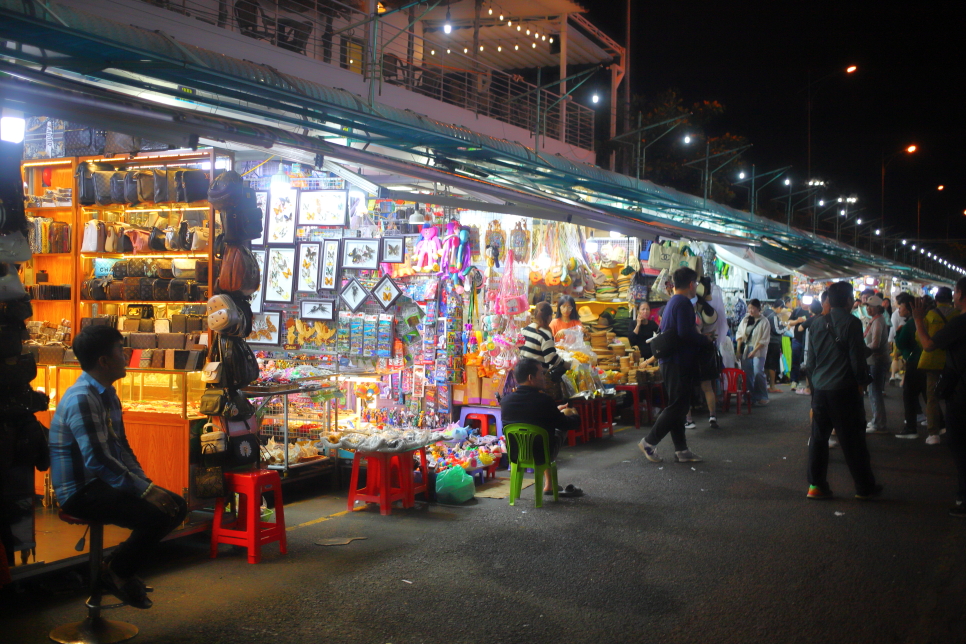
680 370
836 364
773 360
933 362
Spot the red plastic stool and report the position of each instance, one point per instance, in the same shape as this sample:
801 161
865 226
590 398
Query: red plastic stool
379 479
248 529
585 409
607 407
484 420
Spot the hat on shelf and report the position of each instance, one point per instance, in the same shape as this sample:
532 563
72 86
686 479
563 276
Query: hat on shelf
586 315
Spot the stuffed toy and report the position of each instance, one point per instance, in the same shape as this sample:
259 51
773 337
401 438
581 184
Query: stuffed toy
427 250
450 244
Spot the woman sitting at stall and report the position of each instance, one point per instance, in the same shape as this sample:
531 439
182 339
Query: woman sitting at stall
539 345
565 317
644 329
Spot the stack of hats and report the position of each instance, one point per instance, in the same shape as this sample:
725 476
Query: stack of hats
624 287
587 317
607 291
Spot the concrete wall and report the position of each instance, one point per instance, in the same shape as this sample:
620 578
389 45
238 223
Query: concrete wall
201 34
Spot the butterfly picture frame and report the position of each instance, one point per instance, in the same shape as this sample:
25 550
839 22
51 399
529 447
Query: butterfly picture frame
281 216
317 309
266 328
261 202
386 292
323 208
360 253
259 294
280 274
354 294
329 267
393 250
309 265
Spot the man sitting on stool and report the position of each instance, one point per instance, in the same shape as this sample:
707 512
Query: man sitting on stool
94 471
529 404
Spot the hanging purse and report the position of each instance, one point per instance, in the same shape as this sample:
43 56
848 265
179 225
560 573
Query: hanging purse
212 402
208 481
212 373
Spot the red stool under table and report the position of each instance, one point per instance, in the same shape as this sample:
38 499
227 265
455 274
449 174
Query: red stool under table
248 529
607 408
587 412
381 487
635 391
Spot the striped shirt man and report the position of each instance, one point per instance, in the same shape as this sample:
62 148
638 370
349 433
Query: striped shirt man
538 344
87 442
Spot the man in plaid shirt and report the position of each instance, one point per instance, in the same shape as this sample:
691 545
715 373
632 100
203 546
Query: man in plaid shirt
96 475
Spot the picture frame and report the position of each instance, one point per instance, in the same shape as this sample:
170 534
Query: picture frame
317 309
256 302
386 292
360 253
329 265
323 208
280 271
309 266
393 250
266 328
354 294
261 202
281 216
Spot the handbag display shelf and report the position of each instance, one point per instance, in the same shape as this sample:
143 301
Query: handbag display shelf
273 407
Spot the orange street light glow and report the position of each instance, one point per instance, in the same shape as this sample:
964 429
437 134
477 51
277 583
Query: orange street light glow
911 149
941 188
850 69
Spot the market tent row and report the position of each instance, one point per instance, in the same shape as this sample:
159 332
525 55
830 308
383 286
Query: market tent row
91 51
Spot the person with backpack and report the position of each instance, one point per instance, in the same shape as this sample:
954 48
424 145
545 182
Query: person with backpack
932 362
836 364
951 338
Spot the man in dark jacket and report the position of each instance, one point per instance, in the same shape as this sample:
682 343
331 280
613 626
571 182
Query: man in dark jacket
679 371
529 404
837 366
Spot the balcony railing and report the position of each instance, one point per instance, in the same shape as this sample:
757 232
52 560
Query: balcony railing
338 34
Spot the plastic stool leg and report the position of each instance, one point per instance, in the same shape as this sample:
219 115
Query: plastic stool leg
280 517
253 524
385 483
354 481
216 526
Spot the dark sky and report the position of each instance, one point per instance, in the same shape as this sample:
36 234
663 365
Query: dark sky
755 57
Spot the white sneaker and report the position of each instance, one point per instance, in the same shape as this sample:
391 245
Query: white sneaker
649 452
689 424
932 439
833 442
869 429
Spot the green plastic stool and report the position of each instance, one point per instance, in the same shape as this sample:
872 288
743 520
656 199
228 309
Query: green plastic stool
525 437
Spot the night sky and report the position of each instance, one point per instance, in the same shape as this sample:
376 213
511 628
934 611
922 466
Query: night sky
755 57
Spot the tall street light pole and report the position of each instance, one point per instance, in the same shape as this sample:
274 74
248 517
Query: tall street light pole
851 69
909 149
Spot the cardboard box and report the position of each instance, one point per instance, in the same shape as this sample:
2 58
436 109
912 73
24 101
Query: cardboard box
459 395
473 385
488 391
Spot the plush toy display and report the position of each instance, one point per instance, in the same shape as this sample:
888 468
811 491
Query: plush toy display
427 251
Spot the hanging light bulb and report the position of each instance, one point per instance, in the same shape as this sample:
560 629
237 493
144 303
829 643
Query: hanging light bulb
516 47
551 40
501 17
528 32
543 37
509 23
481 47
491 11
499 47
449 51
466 50
432 52
518 27
534 45
447 26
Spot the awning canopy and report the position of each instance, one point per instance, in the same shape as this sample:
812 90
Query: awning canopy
56 44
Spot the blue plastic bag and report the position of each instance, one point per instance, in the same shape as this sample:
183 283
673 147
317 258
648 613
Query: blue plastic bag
454 486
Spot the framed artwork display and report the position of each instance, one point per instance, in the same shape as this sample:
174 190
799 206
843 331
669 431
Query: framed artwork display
257 295
266 328
386 292
280 275
317 309
261 202
360 253
281 216
323 208
329 278
393 250
354 294
309 264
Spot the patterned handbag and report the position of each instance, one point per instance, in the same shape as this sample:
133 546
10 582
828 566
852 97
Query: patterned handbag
208 481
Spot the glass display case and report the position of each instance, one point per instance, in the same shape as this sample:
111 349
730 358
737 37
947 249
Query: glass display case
150 391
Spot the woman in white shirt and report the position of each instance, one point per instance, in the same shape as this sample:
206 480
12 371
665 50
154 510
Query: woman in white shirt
753 336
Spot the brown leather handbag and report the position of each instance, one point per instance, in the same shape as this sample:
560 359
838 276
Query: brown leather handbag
239 271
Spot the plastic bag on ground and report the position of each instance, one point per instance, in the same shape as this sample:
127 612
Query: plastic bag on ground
454 486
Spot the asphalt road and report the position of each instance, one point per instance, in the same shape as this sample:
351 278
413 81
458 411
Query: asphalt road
728 550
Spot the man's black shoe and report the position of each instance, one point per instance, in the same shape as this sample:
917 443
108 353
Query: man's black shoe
876 491
131 591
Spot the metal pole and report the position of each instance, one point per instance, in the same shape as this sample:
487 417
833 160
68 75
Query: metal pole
707 156
536 132
789 205
808 169
639 156
753 196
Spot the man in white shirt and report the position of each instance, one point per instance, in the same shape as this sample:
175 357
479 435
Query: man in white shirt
753 336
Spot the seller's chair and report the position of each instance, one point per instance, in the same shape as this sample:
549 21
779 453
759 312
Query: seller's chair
734 382
528 446
94 629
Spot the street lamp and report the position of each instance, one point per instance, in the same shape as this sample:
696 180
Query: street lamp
707 172
909 149
753 192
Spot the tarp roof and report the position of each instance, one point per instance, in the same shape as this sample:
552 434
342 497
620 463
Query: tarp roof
90 49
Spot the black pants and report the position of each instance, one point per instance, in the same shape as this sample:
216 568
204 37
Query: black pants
678 383
842 410
913 386
956 439
98 501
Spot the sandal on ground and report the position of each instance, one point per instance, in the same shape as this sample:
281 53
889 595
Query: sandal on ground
550 492
571 492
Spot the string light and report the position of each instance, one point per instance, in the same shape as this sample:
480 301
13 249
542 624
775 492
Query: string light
543 38
499 47
481 47
432 52
516 47
466 50
551 40
528 32
534 45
